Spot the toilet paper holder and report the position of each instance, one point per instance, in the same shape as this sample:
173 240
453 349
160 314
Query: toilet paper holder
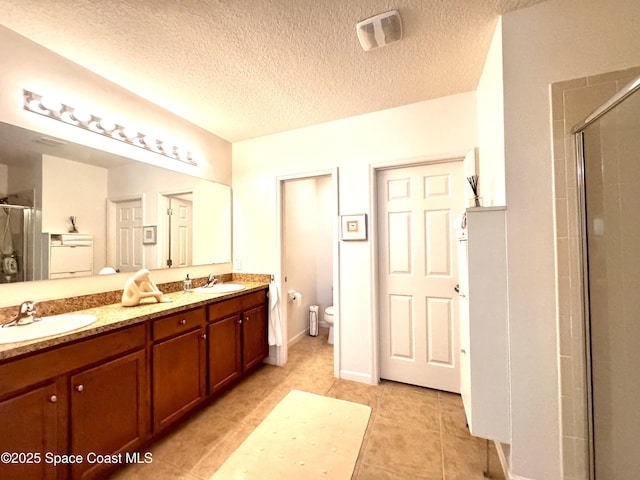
294 295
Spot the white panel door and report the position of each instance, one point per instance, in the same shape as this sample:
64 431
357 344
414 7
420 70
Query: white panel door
129 235
181 232
418 305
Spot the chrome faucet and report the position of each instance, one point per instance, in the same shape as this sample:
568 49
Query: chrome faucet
26 314
211 281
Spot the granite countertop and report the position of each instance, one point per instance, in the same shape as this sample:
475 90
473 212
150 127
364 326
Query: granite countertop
114 316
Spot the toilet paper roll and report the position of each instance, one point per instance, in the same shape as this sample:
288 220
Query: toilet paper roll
295 297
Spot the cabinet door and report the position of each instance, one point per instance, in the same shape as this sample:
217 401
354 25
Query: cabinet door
225 361
255 348
30 423
108 410
179 376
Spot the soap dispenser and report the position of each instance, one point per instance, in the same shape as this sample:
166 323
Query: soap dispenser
186 284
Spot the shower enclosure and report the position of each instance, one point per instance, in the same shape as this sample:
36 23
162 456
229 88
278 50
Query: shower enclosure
16 243
608 146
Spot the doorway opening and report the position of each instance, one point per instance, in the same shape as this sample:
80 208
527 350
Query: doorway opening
308 246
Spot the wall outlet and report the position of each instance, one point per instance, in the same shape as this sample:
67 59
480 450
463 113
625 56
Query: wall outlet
237 264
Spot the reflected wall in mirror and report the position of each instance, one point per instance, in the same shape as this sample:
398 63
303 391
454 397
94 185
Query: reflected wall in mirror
45 181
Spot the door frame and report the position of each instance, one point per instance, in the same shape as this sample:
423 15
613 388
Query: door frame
470 165
281 354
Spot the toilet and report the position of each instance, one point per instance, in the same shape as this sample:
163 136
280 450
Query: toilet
328 318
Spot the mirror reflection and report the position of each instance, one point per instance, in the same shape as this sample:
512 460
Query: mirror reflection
68 210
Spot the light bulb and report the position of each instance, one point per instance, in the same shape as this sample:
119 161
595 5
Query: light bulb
51 104
150 142
81 115
118 134
106 125
35 106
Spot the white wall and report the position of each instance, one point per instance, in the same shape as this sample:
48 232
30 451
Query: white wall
308 239
300 242
491 124
324 242
426 129
553 41
74 188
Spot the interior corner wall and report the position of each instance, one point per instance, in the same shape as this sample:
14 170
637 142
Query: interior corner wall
444 126
553 41
491 124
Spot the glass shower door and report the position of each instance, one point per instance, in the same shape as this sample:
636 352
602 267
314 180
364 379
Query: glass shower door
611 156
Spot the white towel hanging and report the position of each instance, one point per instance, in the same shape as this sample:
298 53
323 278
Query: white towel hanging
275 324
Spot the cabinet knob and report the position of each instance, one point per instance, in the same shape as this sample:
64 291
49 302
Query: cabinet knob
203 336
246 319
53 399
79 388
183 321
239 322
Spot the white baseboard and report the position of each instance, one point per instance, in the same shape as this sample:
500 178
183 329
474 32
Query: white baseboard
357 377
298 337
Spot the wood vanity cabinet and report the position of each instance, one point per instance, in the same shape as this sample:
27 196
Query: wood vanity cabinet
31 422
89 396
112 393
179 365
237 338
107 416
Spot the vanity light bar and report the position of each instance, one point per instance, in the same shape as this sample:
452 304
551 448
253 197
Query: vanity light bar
81 118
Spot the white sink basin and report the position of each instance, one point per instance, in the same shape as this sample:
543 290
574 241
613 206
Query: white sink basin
220 288
47 326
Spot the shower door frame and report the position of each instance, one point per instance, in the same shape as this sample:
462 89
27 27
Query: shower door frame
578 133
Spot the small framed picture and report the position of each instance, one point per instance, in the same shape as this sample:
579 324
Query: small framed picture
353 227
149 235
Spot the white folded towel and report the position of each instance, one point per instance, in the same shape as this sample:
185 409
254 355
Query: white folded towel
6 241
275 325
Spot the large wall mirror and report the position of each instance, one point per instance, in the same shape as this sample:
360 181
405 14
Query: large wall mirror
68 210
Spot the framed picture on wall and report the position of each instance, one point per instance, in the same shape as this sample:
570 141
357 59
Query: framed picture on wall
353 227
149 235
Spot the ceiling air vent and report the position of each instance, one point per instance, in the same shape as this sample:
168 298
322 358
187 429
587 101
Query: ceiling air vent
380 30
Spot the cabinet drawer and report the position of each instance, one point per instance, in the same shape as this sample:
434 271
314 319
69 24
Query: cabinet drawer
20 373
71 259
179 323
221 310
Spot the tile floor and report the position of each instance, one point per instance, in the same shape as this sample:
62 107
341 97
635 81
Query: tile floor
413 433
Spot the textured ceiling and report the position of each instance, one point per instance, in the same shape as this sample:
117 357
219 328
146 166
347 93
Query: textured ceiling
247 68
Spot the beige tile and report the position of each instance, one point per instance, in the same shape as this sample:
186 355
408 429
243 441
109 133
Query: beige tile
414 407
214 459
406 448
157 470
453 420
188 446
580 102
465 458
375 472
355 392
569 84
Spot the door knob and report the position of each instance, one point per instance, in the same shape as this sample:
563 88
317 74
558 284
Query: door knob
457 288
